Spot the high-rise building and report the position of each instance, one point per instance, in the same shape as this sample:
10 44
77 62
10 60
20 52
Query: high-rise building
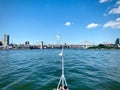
6 40
42 46
117 41
27 43
1 43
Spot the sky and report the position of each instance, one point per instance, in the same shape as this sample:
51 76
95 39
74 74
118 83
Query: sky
63 21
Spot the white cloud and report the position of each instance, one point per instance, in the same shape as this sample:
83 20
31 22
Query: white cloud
67 23
102 1
118 19
118 3
105 14
115 10
113 24
92 25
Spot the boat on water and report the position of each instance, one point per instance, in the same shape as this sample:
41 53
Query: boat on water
62 85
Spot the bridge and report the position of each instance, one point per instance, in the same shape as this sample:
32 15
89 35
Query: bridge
84 44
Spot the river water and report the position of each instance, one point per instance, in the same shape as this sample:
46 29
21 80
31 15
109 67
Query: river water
41 69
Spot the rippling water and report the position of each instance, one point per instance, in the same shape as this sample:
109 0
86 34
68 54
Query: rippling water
41 69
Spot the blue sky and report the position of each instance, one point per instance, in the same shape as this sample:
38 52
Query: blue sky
76 21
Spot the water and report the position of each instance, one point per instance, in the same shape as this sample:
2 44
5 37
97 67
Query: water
41 69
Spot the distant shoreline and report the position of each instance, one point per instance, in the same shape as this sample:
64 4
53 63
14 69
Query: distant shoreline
91 48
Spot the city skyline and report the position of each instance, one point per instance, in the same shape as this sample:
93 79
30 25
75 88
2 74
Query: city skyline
75 21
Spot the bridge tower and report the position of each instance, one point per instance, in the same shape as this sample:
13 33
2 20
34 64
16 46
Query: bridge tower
86 44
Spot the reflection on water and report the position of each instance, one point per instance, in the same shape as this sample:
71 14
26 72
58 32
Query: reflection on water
41 69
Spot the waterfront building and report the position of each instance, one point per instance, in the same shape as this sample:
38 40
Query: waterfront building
117 41
6 40
42 46
27 43
1 43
